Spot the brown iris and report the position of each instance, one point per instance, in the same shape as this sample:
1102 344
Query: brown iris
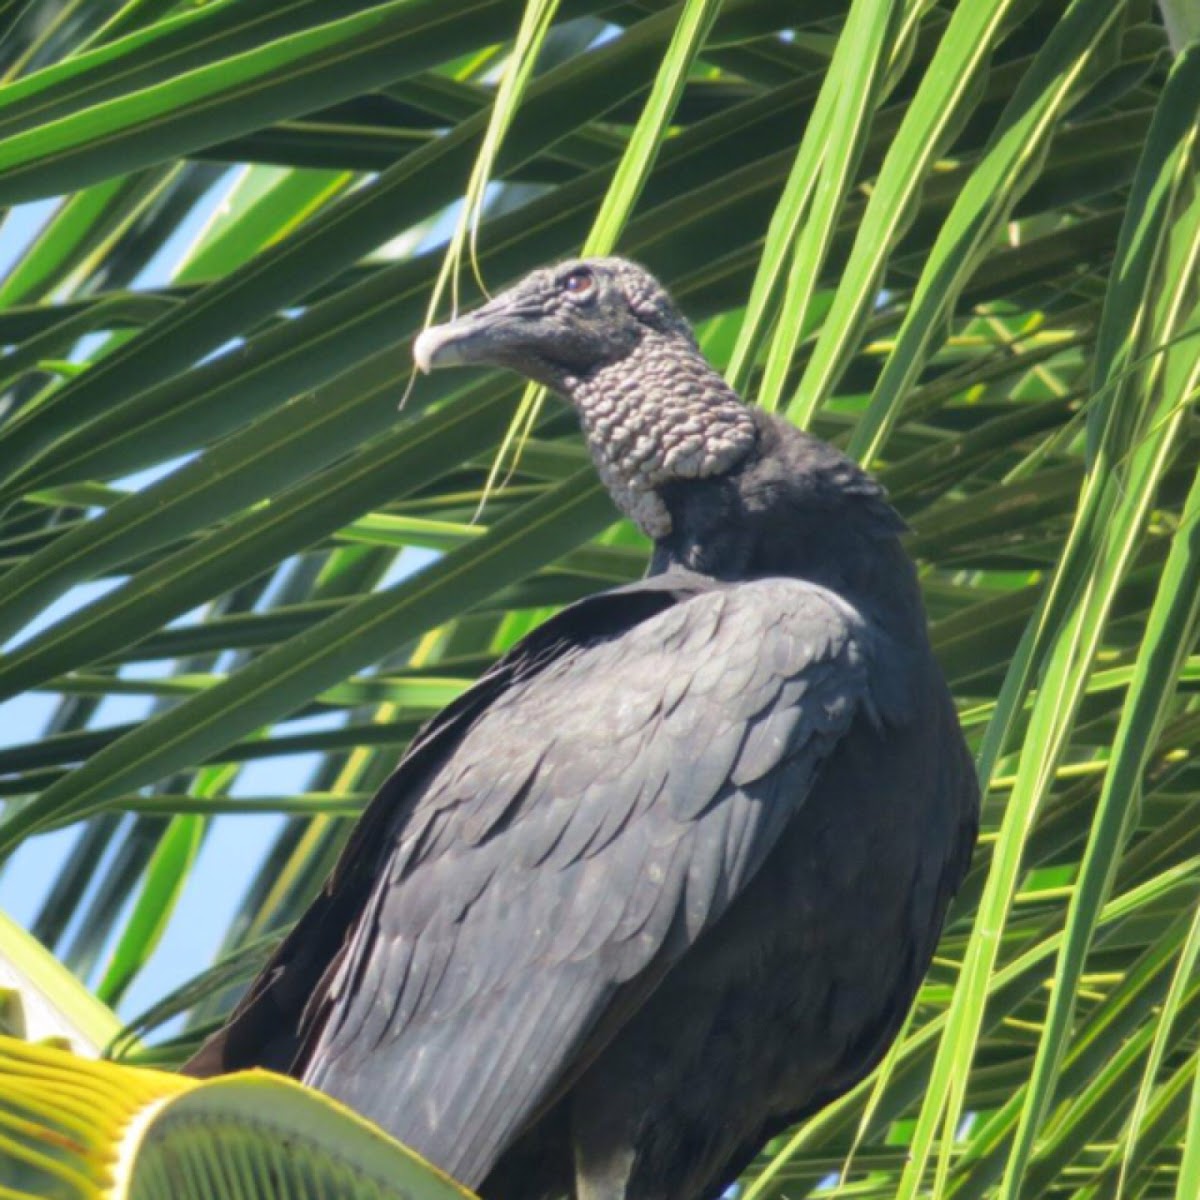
579 282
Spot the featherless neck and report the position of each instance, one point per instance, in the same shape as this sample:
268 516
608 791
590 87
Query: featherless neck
659 415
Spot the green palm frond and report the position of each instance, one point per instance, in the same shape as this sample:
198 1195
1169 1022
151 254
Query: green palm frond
78 1130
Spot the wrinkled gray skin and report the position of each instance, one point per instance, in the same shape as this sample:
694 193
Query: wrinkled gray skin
668 877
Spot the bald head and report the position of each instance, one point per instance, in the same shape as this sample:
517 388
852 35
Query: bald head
606 335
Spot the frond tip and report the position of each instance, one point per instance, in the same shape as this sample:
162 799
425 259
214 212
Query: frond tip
84 1130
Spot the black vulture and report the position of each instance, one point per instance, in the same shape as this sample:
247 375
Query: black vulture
667 878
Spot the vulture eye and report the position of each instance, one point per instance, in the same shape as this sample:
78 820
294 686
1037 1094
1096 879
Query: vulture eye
579 282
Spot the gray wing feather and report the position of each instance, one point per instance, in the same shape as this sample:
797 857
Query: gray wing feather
591 823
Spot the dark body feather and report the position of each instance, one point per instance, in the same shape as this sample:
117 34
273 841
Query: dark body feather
664 880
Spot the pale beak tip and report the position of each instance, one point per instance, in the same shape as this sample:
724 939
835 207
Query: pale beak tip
425 347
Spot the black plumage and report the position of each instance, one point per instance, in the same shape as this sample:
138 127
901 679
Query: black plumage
668 877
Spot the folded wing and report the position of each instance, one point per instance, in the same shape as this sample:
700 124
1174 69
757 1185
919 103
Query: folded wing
559 838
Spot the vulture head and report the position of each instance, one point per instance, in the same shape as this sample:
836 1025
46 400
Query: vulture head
604 334
559 324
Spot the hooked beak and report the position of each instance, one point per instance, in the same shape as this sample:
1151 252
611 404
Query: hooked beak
471 339
437 346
